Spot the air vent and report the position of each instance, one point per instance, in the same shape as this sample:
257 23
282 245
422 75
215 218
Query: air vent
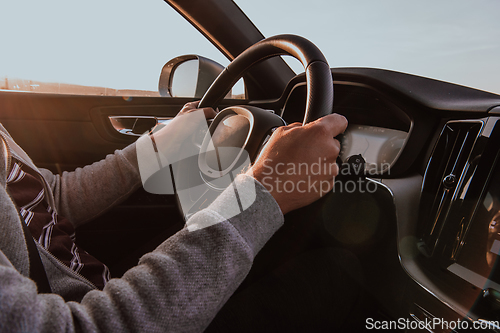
443 176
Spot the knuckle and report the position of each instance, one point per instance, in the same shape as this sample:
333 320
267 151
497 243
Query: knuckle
322 129
293 125
280 130
290 127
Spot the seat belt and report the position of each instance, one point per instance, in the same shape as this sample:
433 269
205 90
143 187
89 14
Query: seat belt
37 271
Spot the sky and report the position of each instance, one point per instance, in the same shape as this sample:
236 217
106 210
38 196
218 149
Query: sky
120 44
123 44
451 40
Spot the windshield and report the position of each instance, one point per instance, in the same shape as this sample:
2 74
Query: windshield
452 40
122 45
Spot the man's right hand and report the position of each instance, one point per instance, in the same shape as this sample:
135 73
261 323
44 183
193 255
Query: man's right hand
298 164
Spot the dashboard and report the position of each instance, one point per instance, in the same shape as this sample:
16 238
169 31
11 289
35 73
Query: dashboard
379 146
431 232
379 128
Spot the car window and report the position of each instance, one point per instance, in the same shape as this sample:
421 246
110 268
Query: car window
449 40
98 47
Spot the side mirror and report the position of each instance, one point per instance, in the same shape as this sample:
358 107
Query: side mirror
188 76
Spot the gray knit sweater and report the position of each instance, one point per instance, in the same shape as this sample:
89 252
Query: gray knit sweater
179 287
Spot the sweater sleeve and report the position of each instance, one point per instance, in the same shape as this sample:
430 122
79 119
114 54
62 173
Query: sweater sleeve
179 287
87 192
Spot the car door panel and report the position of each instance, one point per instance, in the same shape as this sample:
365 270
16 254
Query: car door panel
61 132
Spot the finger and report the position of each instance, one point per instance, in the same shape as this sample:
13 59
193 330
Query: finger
190 105
282 129
292 125
334 124
335 149
208 112
337 143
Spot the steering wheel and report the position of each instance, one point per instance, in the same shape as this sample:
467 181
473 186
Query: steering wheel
237 133
318 74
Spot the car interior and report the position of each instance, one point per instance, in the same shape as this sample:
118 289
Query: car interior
421 217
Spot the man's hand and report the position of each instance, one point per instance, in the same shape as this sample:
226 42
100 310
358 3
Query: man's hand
193 106
298 164
186 123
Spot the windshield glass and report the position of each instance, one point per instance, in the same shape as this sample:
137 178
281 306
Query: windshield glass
451 40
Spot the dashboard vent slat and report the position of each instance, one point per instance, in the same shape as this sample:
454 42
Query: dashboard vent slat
449 159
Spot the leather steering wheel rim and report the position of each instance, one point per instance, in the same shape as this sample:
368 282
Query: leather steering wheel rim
319 100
